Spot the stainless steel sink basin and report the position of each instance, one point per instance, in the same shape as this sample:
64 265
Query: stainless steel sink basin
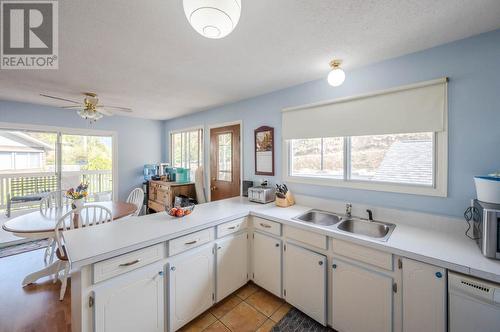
372 229
319 217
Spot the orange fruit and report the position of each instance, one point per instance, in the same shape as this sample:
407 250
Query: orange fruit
179 213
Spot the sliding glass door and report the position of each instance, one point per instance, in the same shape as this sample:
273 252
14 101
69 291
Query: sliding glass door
34 162
27 167
88 159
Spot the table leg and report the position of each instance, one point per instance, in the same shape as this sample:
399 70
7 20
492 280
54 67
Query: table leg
49 270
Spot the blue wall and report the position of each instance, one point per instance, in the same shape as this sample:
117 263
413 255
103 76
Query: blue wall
473 66
138 139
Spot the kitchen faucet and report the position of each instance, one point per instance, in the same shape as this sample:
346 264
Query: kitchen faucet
370 214
348 210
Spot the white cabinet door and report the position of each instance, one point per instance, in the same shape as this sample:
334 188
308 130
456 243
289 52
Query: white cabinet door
362 299
191 285
267 263
232 264
305 281
132 302
424 297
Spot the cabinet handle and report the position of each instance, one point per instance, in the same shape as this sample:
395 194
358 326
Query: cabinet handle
160 273
265 225
130 263
232 227
172 268
334 266
219 248
192 242
439 274
320 263
277 244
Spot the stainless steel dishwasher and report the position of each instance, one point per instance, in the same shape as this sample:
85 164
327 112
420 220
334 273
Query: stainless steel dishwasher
474 304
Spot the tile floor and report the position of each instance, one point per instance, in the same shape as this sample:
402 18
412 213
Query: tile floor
249 309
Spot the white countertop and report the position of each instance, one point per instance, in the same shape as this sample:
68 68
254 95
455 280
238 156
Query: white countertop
448 248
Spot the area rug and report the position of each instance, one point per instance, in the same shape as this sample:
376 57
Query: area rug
23 247
297 321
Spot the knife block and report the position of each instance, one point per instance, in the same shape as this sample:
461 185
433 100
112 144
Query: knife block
285 202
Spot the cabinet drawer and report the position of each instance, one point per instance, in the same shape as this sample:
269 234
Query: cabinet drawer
121 264
189 241
363 254
310 238
267 226
156 206
231 227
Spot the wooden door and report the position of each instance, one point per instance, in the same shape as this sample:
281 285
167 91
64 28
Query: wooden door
224 162
305 281
232 264
134 303
424 297
267 263
191 285
362 299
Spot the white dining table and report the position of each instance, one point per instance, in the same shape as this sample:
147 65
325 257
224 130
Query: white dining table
38 225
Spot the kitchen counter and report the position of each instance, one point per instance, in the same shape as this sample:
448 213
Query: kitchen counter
447 246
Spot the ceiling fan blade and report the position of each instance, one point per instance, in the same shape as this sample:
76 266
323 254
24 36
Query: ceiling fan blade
105 111
76 107
115 108
59 98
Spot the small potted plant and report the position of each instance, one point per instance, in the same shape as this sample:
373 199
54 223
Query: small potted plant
77 195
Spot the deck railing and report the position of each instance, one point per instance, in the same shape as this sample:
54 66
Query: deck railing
20 184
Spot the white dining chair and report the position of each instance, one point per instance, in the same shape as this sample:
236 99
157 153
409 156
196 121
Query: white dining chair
86 216
136 197
48 204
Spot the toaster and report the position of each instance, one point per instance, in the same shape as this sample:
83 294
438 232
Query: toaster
261 194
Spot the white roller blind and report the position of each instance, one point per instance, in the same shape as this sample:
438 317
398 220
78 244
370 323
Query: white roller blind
414 108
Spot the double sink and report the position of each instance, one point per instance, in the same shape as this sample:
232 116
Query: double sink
372 229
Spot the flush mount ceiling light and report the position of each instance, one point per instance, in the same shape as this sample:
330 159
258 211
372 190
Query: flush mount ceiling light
337 76
213 18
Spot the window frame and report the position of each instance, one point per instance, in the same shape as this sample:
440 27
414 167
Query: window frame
440 172
201 144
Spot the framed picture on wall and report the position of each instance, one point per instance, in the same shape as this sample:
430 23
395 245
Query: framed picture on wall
264 151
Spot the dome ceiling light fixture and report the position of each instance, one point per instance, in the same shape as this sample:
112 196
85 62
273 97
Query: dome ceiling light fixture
337 76
213 18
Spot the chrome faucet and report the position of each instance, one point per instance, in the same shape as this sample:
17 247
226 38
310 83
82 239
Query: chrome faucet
348 210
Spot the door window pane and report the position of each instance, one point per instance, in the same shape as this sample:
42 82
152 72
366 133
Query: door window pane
224 163
398 158
27 165
88 159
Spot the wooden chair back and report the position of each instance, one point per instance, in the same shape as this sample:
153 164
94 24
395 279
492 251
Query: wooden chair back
136 197
55 199
86 216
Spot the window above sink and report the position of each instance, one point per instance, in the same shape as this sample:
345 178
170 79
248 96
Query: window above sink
394 140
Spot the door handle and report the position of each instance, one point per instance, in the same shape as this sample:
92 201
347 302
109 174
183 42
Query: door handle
130 263
213 188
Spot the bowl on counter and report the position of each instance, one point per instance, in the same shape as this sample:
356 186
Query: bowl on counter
181 211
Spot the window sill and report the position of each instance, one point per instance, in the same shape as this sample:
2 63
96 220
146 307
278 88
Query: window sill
374 186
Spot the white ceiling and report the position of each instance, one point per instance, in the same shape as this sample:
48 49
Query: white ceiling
145 55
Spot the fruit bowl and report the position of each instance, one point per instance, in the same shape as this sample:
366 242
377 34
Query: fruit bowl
181 211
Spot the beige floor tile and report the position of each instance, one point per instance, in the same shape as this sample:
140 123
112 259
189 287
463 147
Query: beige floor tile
247 290
267 326
217 327
281 312
223 307
265 302
243 318
199 323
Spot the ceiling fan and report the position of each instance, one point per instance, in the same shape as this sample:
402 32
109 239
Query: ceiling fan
90 109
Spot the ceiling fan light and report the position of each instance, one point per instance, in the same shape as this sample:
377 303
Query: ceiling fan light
213 18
